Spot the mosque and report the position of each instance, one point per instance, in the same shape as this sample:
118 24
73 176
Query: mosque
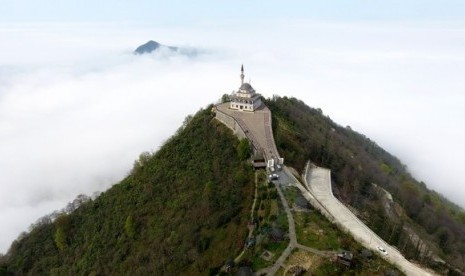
245 99
249 118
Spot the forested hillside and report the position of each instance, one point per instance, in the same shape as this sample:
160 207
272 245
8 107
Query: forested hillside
182 210
303 133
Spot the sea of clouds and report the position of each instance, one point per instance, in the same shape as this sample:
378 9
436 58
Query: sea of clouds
77 107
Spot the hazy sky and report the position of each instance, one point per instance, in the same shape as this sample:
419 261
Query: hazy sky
77 108
180 12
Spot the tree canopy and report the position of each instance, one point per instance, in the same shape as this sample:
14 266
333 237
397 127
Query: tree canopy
182 210
303 133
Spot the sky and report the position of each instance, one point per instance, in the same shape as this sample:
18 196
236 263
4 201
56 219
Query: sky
77 107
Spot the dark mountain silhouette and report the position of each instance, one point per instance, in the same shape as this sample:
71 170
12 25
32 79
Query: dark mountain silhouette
151 46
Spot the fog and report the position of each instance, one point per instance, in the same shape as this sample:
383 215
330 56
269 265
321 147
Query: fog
77 108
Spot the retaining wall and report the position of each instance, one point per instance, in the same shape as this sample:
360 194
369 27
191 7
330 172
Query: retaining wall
231 123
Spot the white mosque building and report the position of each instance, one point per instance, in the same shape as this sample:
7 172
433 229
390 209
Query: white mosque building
245 99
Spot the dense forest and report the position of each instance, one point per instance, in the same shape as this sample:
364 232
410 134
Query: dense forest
357 163
182 210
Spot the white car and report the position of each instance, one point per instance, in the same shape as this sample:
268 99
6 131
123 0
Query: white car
382 250
273 176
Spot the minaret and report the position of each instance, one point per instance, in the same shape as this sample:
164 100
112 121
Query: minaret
242 74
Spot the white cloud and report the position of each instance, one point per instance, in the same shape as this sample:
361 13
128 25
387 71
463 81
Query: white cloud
76 108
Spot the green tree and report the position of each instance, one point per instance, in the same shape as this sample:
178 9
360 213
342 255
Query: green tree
208 190
129 226
61 227
243 149
225 98
445 237
60 238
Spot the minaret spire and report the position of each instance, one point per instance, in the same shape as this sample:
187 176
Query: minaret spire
242 74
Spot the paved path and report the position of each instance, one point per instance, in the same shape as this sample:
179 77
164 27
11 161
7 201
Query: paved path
318 181
257 127
289 180
292 236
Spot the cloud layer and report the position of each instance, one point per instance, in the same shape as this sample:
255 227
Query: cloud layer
77 108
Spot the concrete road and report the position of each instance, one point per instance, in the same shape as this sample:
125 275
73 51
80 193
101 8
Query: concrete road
318 181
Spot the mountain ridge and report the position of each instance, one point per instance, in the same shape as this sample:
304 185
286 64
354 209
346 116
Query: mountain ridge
152 214
303 133
151 46
204 145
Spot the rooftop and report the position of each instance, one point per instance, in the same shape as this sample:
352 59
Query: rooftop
247 87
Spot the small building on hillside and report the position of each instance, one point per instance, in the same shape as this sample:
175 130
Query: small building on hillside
277 234
258 160
245 99
345 257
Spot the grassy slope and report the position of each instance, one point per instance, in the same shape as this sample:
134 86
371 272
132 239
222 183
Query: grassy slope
182 210
303 133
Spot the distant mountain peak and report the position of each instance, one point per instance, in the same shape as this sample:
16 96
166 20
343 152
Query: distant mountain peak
151 46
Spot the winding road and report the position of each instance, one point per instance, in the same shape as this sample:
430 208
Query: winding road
318 182
316 189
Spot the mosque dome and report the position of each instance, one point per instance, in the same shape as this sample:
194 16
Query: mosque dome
247 87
